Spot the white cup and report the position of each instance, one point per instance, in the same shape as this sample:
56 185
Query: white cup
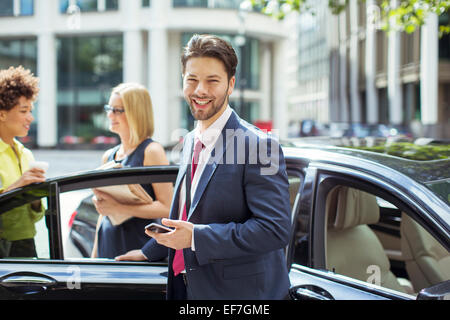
39 164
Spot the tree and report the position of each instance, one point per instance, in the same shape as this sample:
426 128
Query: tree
408 15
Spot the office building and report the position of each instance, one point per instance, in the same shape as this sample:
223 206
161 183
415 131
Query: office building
80 49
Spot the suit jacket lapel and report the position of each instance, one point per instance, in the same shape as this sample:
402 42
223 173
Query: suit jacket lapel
184 162
218 151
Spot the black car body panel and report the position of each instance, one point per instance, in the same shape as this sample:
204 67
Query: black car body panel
406 185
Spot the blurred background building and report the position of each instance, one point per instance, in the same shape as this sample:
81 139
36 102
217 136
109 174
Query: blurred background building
80 49
310 69
344 69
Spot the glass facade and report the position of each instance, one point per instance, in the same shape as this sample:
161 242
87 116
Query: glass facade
16 52
313 49
213 4
312 65
7 8
12 8
26 7
88 68
444 40
112 4
89 5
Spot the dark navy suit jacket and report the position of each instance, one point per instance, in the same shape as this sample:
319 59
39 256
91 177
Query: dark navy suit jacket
241 217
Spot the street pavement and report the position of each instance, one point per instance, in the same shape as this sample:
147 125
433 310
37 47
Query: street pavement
64 162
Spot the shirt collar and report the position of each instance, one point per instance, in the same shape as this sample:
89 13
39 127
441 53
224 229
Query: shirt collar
4 145
210 135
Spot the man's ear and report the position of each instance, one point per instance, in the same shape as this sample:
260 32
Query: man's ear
231 84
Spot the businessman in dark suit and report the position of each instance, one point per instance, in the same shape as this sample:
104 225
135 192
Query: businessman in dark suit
230 212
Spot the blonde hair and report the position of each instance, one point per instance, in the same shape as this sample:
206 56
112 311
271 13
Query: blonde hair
138 110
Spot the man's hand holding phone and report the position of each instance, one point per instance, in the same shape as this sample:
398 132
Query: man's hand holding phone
157 228
176 234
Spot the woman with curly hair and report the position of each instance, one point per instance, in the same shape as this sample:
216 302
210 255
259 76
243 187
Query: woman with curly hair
18 90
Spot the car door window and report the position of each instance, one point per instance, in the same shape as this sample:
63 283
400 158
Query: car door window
351 247
78 223
23 226
300 219
82 222
57 272
370 239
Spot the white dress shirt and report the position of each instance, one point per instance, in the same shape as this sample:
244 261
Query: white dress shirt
208 138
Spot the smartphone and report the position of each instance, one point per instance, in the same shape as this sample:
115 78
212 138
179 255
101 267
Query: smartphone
154 227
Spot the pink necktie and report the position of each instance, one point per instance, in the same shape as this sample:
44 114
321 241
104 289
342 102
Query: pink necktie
178 260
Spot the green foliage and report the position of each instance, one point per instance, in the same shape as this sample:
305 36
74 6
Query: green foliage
411 151
278 9
407 16
412 14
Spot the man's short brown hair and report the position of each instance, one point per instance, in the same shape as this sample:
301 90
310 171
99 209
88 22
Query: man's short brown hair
15 83
211 46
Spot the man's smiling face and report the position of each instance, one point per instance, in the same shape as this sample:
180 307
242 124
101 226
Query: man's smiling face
206 88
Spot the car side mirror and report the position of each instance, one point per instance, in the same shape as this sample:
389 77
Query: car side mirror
440 291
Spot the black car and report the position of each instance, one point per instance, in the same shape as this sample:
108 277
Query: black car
365 226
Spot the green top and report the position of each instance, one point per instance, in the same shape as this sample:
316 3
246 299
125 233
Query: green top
18 223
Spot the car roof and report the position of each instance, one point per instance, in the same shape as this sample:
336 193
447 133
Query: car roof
423 171
433 174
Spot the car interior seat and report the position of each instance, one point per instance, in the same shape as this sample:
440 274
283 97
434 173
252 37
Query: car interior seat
427 261
294 185
352 248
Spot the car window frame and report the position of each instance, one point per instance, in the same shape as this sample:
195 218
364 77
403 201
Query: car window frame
54 187
329 176
107 277
302 206
126 175
300 172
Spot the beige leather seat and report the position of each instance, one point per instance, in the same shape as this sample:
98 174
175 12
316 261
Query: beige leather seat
427 261
353 249
294 185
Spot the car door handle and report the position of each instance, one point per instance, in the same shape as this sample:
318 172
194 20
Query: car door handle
25 282
309 292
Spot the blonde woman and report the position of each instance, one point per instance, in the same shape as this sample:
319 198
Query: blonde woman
130 113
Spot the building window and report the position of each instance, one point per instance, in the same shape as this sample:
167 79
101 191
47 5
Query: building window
444 40
190 3
313 51
16 8
212 4
112 5
89 5
88 68
16 52
146 3
6 8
